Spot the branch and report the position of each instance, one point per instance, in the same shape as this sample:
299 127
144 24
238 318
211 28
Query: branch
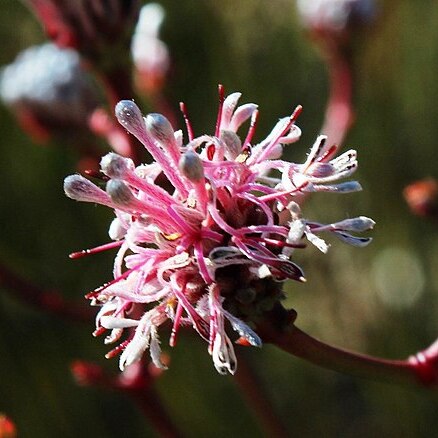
339 112
256 399
137 383
421 368
51 302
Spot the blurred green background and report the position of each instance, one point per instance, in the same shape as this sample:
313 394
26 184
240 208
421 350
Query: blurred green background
381 300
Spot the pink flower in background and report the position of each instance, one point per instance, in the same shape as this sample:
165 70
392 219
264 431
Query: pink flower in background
206 232
333 16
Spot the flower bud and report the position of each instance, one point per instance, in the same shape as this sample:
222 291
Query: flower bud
191 166
116 166
116 230
233 144
119 192
246 295
159 127
7 427
422 197
357 224
81 189
129 116
344 187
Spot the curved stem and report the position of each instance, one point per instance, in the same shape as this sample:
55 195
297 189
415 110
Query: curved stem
421 368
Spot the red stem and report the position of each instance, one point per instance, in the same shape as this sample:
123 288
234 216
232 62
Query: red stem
256 399
421 368
136 382
50 302
339 113
153 409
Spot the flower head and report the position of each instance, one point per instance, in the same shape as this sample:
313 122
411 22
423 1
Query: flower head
213 250
47 87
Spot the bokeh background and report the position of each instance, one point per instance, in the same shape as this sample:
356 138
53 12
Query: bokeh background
381 300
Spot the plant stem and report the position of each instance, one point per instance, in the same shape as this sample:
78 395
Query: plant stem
48 301
339 112
135 382
421 368
257 400
150 403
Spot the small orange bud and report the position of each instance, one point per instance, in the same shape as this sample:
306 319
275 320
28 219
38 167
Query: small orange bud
422 197
7 427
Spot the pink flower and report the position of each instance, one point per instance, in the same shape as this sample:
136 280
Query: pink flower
206 232
335 16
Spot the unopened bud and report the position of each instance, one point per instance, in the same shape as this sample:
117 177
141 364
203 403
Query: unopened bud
246 295
344 187
357 224
159 127
116 230
233 144
191 166
81 189
119 192
116 166
129 116
7 427
422 197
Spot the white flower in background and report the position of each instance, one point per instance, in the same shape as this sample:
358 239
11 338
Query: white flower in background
150 54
